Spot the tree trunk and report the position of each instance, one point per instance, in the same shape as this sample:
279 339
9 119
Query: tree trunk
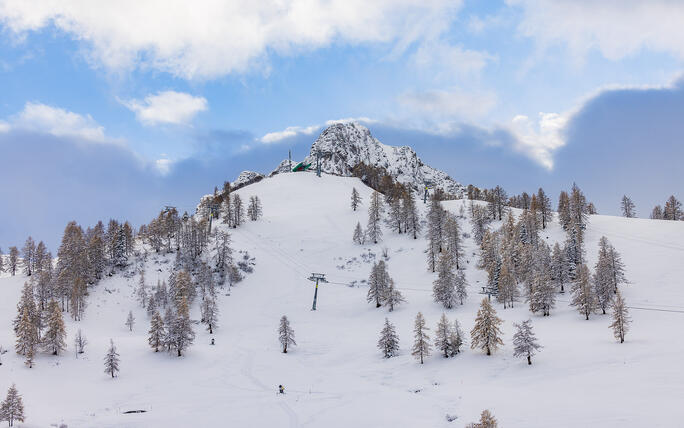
529 360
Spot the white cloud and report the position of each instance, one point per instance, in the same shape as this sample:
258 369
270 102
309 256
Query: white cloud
616 28
449 105
541 138
444 60
167 107
4 126
362 119
208 39
58 122
163 165
290 131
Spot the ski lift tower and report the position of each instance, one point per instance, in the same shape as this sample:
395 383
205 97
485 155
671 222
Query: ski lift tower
489 291
428 184
316 277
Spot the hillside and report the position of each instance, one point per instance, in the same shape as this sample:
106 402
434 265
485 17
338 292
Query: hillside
336 377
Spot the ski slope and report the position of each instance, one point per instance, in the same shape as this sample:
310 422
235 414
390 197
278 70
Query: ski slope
336 377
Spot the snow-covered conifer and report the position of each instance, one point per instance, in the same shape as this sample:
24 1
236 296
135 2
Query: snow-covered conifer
486 334
355 199
377 283
508 287
456 339
393 297
142 289
627 207
111 360
375 210
78 299
583 297
182 332
621 319
487 420
358 237
12 409
559 268
80 342
410 214
452 238
524 341
544 208
54 338
130 321
254 210
394 214
421 344
564 216
28 253
443 336
157 332
13 260
673 209
461 286
286 334
389 341
444 287
238 210
210 313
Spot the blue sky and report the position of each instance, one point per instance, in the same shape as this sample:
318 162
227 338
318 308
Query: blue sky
115 110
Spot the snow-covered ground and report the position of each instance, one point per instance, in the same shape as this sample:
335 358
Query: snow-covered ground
336 377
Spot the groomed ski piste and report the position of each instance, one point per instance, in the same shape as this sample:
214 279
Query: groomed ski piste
336 377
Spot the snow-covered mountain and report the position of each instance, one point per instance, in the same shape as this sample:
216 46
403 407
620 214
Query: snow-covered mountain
342 146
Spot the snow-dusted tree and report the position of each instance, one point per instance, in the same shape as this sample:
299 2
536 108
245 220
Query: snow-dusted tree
452 239
254 210
443 336
616 268
486 334
395 216
2 262
13 260
130 321
542 295
111 360
238 211
12 409
456 339
359 237
28 253
80 342
461 286
508 286
621 319
120 247
378 282
583 297
389 341
436 218
657 213
355 199
78 299
421 344
524 341
487 420
54 338
393 297
559 268
27 337
578 208
564 216
627 207
286 334
410 214
157 332
28 305
544 208
673 209
375 210
602 279
210 312
227 210
142 289
480 222
444 287
182 332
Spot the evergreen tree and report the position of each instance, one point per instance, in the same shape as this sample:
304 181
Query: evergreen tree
389 341
78 299
378 282
564 216
111 360
130 321
169 325
616 269
524 341
461 286
157 332
375 210
627 207
13 259
410 214
657 213
2 262
254 210
436 218
12 409
559 268
444 287
621 319
602 278
583 297
393 297
286 334
443 336
27 338
394 214
54 338
29 256
452 238
508 287
544 208
456 339
80 342
355 199
673 209
358 237
142 289
210 313
238 211
182 332
421 345
480 222
486 334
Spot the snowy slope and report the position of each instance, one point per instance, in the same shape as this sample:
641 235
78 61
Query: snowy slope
335 377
